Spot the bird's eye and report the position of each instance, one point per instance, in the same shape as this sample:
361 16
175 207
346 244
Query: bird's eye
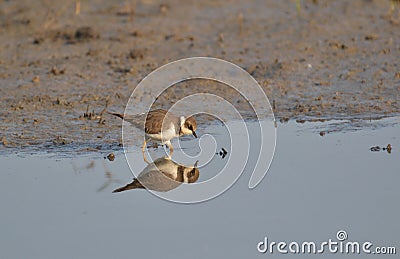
190 127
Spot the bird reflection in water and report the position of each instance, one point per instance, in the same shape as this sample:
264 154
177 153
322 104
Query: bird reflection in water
163 175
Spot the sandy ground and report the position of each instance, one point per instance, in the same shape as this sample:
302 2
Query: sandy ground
61 63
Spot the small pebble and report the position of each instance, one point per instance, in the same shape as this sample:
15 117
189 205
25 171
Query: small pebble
36 79
55 71
4 141
110 157
389 148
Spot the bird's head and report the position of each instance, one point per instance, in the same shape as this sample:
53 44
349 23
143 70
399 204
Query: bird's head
188 126
190 174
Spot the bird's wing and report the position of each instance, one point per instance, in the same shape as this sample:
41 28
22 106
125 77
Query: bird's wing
155 120
151 123
159 181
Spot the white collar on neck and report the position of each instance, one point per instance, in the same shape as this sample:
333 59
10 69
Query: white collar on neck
182 121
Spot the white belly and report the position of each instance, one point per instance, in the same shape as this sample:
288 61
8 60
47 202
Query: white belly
166 135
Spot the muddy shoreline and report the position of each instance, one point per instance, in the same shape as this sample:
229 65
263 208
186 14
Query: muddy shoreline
327 60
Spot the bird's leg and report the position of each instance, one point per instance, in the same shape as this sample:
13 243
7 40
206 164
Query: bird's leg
143 149
144 145
171 149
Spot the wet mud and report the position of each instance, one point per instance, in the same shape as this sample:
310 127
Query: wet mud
62 65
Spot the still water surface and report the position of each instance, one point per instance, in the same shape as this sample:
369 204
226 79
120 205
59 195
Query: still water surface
64 207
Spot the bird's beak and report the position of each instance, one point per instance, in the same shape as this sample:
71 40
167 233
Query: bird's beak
195 164
194 134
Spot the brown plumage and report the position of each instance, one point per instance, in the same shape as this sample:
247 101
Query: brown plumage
163 175
156 118
161 125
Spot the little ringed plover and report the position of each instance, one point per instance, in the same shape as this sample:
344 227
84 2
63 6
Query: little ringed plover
161 126
163 175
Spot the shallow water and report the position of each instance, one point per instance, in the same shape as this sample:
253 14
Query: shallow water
56 207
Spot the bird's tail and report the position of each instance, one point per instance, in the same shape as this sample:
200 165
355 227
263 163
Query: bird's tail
133 185
117 114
